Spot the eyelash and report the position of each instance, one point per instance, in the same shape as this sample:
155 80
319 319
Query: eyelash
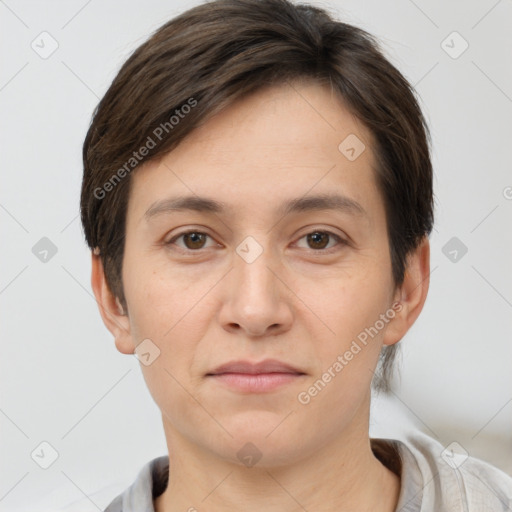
337 238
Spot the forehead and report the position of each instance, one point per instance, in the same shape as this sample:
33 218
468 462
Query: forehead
307 119
282 141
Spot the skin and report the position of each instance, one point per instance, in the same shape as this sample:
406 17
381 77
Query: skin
297 302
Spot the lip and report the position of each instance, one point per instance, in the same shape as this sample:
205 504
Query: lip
247 367
248 377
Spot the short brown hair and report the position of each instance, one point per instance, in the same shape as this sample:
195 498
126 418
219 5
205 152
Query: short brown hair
217 52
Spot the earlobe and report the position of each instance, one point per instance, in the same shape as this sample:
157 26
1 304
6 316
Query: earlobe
411 294
111 310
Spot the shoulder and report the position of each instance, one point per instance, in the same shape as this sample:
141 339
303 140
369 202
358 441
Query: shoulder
452 479
149 483
116 505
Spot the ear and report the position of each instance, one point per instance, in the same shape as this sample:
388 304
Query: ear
114 318
411 295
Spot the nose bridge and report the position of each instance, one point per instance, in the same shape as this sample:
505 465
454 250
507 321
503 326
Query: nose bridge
252 274
256 301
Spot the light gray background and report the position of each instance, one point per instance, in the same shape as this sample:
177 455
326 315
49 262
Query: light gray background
63 381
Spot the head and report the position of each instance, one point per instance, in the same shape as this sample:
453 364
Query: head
254 104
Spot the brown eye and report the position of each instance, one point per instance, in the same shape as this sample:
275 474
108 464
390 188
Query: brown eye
323 241
195 240
318 240
192 240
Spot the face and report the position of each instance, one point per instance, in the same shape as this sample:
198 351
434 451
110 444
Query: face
248 279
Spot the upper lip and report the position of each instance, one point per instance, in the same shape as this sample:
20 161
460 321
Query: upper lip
266 366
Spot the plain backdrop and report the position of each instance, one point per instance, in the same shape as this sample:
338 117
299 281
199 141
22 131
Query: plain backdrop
64 383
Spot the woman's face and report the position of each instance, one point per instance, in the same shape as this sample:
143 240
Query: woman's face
288 260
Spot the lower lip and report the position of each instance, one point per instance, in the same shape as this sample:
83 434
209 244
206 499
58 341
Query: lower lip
256 383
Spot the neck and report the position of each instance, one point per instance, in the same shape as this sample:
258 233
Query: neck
343 475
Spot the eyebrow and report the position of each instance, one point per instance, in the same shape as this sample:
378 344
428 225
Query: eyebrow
303 204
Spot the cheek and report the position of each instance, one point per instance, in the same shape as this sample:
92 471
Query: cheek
352 308
172 309
346 359
345 304
161 298
166 308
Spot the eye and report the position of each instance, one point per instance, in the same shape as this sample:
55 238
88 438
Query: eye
319 240
193 240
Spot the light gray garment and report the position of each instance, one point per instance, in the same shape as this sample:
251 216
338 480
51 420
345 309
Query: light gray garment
430 482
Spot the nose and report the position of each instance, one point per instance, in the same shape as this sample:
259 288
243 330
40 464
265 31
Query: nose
256 299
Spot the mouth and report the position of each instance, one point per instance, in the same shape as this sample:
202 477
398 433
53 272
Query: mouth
247 377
